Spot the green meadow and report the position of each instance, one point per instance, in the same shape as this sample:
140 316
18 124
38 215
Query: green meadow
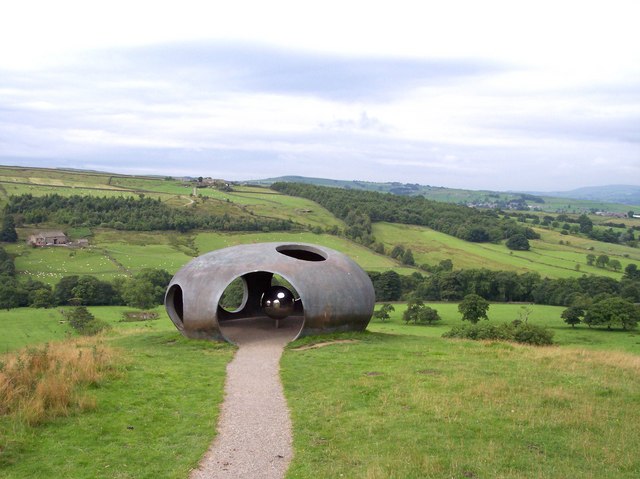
547 256
398 401
542 315
367 259
404 406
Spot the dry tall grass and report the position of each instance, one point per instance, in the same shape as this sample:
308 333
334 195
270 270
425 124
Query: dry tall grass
48 381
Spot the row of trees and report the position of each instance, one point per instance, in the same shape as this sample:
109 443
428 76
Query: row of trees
612 312
128 213
503 286
360 208
144 290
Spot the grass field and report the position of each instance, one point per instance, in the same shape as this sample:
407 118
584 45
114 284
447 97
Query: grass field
367 259
548 316
264 202
547 256
419 407
154 418
401 403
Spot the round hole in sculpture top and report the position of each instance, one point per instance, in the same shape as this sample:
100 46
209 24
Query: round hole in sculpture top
301 252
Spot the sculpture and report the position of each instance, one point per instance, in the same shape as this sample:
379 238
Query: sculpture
335 294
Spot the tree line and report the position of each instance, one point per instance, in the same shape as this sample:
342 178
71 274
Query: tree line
504 286
128 213
358 209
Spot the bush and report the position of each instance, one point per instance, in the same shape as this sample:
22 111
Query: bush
517 332
84 322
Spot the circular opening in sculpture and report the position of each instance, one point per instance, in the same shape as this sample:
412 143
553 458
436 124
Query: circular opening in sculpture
234 297
301 252
277 280
175 304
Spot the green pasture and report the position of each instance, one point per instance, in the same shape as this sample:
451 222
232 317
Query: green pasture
571 205
547 256
404 407
135 257
416 405
51 264
548 316
28 326
367 259
267 203
154 417
52 176
586 246
22 327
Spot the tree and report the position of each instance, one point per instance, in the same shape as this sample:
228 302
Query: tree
418 312
572 315
473 308
63 291
383 313
613 312
602 261
42 298
591 258
446 265
388 286
412 311
159 278
139 294
79 317
407 258
518 242
397 251
428 315
8 232
632 272
615 265
586 225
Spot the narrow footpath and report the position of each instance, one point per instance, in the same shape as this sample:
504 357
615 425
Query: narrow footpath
254 428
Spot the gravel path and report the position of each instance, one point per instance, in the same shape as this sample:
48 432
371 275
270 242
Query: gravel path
254 428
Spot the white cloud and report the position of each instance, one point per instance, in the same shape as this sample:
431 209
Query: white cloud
453 93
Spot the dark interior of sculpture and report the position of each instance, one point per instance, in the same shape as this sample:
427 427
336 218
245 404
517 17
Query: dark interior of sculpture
261 300
174 302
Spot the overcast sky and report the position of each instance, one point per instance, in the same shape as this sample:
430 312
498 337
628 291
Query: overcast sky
503 95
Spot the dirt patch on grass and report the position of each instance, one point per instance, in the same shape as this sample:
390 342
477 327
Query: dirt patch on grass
325 343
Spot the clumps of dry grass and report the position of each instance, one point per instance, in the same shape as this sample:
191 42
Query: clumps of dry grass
568 358
40 383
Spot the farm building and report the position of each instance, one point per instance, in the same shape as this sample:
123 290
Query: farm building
48 238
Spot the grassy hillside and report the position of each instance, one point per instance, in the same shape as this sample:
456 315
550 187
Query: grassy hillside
115 253
616 199
416 407
547 256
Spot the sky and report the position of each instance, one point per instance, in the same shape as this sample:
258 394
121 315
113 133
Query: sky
500 95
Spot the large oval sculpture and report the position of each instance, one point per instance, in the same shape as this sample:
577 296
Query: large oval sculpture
335 294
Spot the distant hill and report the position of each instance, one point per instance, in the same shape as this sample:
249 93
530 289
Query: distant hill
613 198
625 194
437 193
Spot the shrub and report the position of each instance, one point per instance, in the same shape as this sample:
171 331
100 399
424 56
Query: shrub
517 332
84 322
